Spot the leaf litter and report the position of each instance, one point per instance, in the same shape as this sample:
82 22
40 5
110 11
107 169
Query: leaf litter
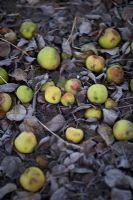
94 168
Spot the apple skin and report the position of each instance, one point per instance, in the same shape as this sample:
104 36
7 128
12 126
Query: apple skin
123 130
74 135
131 85
48 58
32 179
24 94
115 74
5 104
52 94
73 86
110 103
25 142
3 76
46 85
91 113
97 93
67 99
95 63
27 29
110 39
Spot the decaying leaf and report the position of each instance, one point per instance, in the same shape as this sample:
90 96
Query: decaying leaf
30 123
121 194
19 75
8 87
110 116
17 113
4 49
85 27
26 196
106 133
10 165
56 123
116 178
8 188
66 47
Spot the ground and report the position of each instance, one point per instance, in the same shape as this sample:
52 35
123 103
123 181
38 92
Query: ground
99 167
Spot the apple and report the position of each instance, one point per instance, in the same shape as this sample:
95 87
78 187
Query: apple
48 58
110 39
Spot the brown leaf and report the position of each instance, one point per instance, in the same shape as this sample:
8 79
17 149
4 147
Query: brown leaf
8 188
4 49
106 133
56 123
26 196
19 75
8 87
18 113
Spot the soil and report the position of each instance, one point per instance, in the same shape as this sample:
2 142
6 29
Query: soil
99 167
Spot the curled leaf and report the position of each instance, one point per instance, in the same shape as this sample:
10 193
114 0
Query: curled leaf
17 113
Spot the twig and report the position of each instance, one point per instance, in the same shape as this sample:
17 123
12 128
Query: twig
130 105
58 137
4 40
3 79
73 27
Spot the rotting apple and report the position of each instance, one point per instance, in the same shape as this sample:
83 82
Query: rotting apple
115 74
52 94
67 99
25 142
95 63
110 38
32 179
73 86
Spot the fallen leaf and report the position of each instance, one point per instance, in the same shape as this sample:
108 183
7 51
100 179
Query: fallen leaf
66 48
19 75
106 133
4 49
17 113
85 28
26 196
8 188
116 178
59 194
56 123
110 116
30 123
8 87
10 165
121 194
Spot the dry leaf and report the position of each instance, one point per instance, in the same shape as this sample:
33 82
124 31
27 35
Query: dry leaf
85 28
4 49
8 188
18 113
110 116
56 123
19 75
106 133
8 87
26 196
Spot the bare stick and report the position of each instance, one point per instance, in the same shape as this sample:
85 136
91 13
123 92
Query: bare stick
24 52
58 137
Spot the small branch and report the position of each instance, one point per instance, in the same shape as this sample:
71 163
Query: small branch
73 27
130 105
24 52
58 137
3 79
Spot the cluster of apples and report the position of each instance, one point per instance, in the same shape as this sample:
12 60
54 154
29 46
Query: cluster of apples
48 58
